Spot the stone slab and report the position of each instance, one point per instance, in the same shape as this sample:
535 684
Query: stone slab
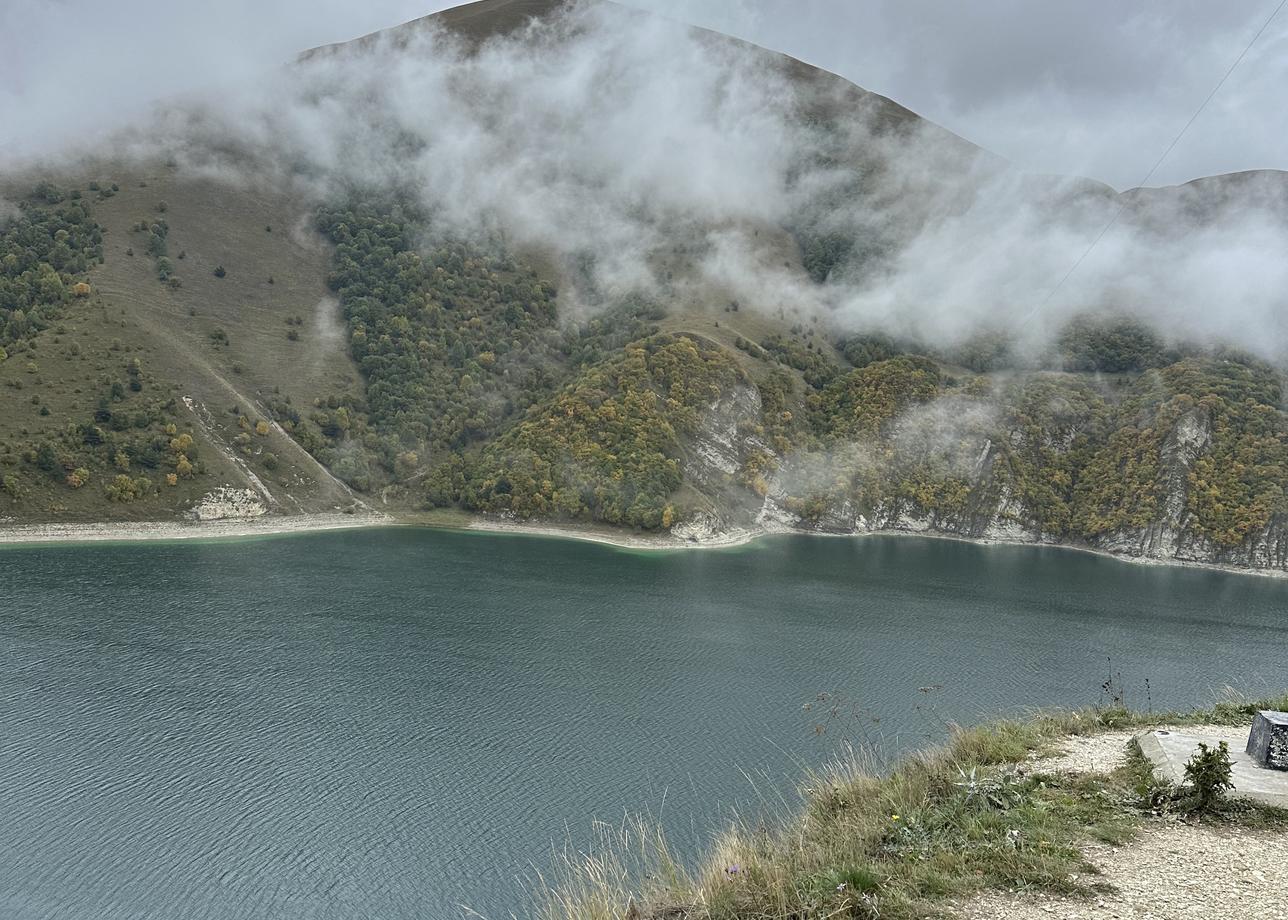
1268 743
1170 751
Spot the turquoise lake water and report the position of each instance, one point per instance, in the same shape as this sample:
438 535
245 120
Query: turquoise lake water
395 723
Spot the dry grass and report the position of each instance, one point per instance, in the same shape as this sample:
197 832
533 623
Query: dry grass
945 823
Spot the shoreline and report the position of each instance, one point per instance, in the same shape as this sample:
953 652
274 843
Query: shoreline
738 538
53 534
606 536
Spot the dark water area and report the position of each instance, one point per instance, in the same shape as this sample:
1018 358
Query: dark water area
396 723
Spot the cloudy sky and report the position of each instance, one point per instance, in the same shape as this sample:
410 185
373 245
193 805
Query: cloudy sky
1097 88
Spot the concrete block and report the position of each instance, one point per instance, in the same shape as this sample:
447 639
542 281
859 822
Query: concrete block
1268 743
1170 751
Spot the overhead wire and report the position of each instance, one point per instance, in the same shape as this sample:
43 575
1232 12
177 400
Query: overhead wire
1153 169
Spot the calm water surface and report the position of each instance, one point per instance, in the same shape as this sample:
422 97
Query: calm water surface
391 724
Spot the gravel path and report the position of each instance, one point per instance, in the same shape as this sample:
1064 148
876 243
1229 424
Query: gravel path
1107 751
1172 871
1101 753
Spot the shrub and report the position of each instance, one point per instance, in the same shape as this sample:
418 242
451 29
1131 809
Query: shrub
862 350
219 271
1208 776
125 489
50 193
47 459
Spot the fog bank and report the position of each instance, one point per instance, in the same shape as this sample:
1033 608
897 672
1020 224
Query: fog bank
655 158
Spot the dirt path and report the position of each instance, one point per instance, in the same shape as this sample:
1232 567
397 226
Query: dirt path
1172 871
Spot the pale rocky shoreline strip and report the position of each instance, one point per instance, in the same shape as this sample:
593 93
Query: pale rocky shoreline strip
141 531
283 525
740 537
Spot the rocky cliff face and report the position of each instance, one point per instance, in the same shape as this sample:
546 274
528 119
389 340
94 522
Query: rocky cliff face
1173 536
1166 537
730 435
717 456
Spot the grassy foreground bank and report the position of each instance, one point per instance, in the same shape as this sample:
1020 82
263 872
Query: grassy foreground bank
974 814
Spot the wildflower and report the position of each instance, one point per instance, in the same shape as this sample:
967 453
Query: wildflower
894 817
734 869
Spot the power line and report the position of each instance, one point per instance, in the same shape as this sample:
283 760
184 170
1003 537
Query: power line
1149 175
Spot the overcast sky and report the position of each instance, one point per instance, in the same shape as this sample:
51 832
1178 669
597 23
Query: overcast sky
1097 88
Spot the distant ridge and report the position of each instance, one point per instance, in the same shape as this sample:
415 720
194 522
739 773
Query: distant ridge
475 22
823 94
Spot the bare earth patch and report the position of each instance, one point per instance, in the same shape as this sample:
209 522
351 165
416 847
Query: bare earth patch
1102 753
1172 871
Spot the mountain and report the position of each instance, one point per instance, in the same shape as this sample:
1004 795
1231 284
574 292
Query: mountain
477 23
281 320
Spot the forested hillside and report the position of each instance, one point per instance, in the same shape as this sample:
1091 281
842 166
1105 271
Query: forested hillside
1192 454
609 446
477 398
475 394
45 250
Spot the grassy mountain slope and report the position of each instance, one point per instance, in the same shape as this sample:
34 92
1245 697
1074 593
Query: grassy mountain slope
222 343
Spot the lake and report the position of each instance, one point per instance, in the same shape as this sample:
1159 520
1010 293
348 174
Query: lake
395 723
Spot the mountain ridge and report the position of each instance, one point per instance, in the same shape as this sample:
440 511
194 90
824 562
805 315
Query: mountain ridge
486 20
